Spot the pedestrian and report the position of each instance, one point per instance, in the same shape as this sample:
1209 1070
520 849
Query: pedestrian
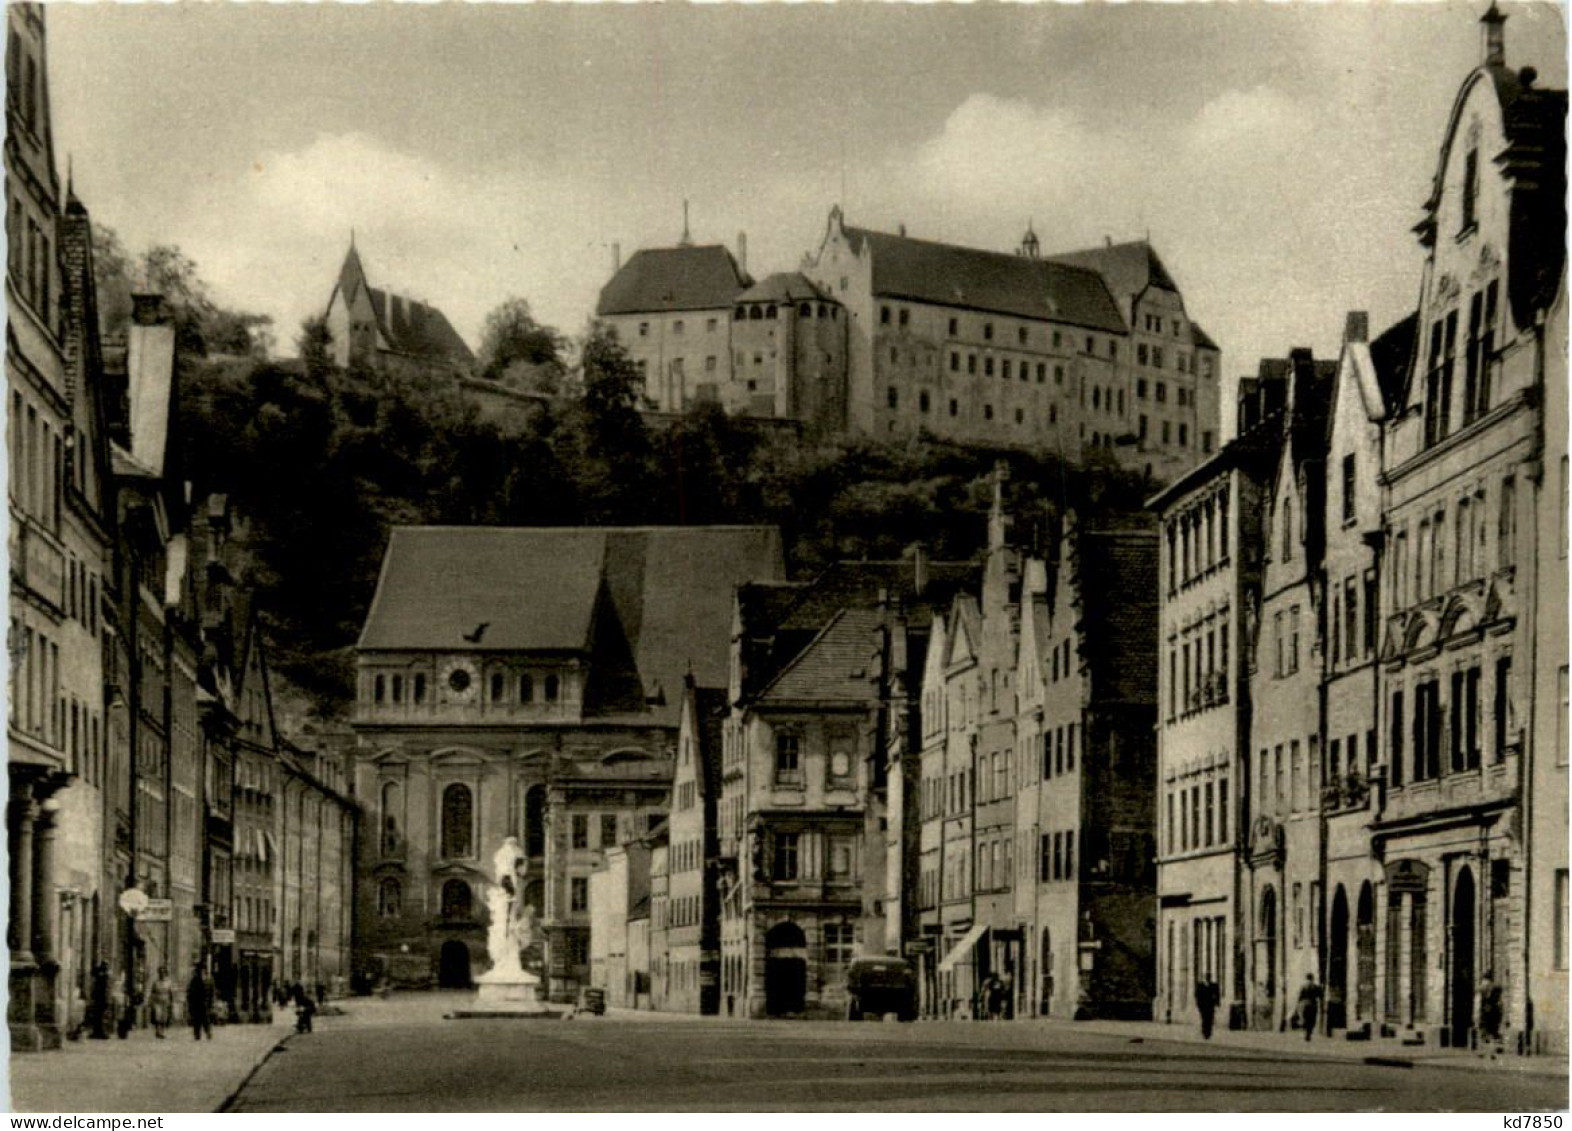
305 1009
199 1002
161 1002
1490 1008
98 1003
1206 995
1309 1004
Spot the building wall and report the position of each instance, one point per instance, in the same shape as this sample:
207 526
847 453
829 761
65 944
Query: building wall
684 356
1547 788
1466 591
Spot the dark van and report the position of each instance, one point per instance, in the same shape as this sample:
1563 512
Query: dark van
876 986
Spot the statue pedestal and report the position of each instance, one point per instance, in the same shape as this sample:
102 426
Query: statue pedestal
507 994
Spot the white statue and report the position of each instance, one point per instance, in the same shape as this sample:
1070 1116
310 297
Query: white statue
510 928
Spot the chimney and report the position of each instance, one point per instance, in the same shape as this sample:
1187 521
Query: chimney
150 372
616 258
1107 241
919 571
902 227
742 251
1357 328
1493 22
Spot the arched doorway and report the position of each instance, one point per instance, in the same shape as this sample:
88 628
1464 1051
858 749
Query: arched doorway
1266 960
453 966
1337 963
1463 957
785 970
1365 954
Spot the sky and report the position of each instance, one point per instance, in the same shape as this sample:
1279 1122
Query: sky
1277 155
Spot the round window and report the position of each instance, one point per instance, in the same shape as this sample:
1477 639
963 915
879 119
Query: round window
458 680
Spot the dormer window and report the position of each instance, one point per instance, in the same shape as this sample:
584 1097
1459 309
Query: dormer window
498 683
526 689
551 689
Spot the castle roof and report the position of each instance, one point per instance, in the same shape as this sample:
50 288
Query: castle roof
949 275
785 287
660 279
1128 269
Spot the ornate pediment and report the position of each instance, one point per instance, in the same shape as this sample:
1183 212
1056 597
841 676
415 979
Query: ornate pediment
1268 842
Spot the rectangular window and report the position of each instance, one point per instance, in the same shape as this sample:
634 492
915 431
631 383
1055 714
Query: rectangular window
1470 189
578 893
1559 934
1395 754
1348 487
608 830
786 845
580 830
1222 811
1505 734
788 758
1506 524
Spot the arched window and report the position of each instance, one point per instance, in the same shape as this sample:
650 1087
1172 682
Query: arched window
497 684
398 689
551 689
755 313
526 689
457 901
769 312
379 690
805 310
392 811
458 811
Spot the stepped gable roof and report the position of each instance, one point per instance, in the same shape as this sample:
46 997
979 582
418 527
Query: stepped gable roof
836 665
661 595
659 279
417 328
785 286
948 275
1128 269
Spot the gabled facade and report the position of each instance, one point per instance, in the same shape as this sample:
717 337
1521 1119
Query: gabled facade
1283 849
1464 471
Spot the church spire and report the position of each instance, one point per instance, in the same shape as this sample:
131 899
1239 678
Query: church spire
687 240
1030 248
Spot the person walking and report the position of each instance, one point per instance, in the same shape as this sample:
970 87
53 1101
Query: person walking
161 1002
1309 1004
305 1009
1206 995
199 1002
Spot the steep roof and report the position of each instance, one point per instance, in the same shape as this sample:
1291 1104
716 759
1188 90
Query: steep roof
664 591
659 279
948 275
1391 354
1200 337
1127 268
836 665
417 328
785 286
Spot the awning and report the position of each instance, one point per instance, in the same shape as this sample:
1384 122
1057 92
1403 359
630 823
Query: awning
963 948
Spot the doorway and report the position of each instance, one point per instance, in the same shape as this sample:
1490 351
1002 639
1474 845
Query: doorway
1337 963
785 970
1266 953
1464 903
1365 954
453 966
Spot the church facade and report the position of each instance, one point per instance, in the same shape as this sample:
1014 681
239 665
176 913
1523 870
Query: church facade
528 683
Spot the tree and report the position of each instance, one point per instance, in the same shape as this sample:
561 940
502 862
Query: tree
519 351
202 326
604 444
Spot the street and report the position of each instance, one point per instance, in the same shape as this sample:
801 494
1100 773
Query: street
403 1056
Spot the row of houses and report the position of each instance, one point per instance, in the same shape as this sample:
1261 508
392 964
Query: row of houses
1306 718
1363 636
156 819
